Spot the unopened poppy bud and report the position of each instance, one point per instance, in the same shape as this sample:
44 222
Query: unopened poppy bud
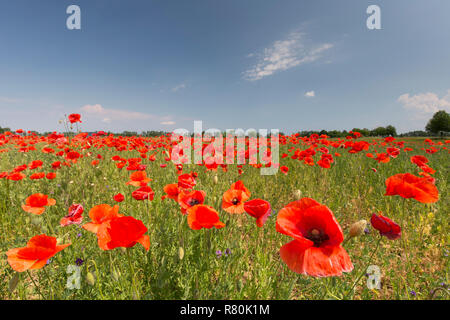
90 279
216 179
357 228
181 253
297 194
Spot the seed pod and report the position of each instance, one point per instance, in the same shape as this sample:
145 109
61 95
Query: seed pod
181 253
357 228
90 279
297 194
216 179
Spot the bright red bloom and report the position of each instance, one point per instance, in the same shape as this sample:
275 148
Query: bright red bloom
284 169
38 175
186 181
16 176
190 198
51 175
37 202
316 249
35 255
119 197
419 160
386 226
74 117
171 191
203 216
122 232
138 179
100 214
408 186
234 198
75 215
143 193
259 209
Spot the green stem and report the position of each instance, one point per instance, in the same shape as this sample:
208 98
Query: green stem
132 272
35 285
365 268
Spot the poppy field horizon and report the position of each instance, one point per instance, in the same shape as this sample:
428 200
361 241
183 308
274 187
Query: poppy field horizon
101 216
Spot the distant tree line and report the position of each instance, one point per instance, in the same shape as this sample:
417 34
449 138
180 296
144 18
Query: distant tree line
438 125
377 132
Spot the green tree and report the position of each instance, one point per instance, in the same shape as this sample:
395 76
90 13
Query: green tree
439 122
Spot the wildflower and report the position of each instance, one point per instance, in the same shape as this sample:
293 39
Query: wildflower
386 226
259 209
37 202
316 249
203 216
35 255
74 216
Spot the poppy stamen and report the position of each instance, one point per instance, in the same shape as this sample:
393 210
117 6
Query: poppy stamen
317 236
235 201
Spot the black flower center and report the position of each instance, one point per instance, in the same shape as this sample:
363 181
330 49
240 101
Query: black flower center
235 201
317 236
193 202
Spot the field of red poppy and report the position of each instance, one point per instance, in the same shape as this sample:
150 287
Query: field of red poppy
107 217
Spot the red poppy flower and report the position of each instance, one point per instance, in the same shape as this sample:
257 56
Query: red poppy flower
186 181
16 176
74 117
386 226
408 186
171 191
284 169
75 215
188 198
99 215
316 249
51 175
122 232
138 179
259 209
35 255
119 197
234 198
37 202
38 175
143 193
203 216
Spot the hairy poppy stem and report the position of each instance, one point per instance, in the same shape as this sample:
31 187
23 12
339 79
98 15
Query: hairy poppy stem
35 285
365 268
132 273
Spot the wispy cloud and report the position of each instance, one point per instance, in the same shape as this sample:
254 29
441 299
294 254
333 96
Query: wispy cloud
167 123
109 115
285 54
424 104
178 87
310 94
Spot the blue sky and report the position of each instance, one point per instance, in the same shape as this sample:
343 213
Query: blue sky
290 65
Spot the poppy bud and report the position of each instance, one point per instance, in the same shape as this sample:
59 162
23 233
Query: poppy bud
90 279
216 179
181 253
297 194
357 228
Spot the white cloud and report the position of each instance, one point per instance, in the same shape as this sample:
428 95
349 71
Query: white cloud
425 104
178 87
285 54
310 94
167 123
108 115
